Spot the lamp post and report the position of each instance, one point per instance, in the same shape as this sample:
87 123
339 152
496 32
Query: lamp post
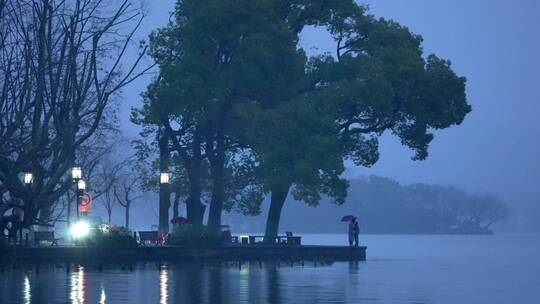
81 186
28 179
165 179
76 175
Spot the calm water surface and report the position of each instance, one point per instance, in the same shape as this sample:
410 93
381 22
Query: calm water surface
400 269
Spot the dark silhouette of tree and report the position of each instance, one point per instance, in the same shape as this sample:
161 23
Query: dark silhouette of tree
126 192
385 206
378 81
61 66
198 116
480 212
235 84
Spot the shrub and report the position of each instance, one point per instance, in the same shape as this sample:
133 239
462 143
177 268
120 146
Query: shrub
195 236
112 237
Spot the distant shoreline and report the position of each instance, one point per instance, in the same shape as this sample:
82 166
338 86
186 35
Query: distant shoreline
370 233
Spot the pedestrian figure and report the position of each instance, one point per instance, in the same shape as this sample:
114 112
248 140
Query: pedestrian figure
354 230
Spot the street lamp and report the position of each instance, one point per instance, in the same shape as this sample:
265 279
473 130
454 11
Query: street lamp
76 173
165 178
28 178
81 185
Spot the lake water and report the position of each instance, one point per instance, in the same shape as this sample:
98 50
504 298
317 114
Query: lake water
400 269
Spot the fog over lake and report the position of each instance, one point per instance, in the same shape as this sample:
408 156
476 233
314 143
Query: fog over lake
269 151
400 269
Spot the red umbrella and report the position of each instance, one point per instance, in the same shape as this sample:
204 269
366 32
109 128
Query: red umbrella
348 218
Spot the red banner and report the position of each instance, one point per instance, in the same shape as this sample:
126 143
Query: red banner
86 203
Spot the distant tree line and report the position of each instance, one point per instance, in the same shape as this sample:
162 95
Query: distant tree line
385 206
382 205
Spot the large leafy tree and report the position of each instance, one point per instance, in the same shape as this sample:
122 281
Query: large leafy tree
213 60
296 146
378 80
235 83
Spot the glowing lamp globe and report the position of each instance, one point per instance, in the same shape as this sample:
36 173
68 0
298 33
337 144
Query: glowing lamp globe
76 173
81 185
165 178
80 230
28 178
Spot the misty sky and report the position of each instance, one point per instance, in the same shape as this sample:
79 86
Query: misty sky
496 45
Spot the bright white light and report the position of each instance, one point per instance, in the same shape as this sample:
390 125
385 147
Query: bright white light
165 178
81 185
80 230
76 173
163 285
103 297
77 293
28 178
27 291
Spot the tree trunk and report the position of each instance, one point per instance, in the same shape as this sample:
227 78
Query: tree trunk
216 205
176 205
109 214
45 214
278 196
164 205
164 191
218 174
127 213
68 215
194 208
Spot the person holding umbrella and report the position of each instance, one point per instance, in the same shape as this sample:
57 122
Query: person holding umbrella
354 229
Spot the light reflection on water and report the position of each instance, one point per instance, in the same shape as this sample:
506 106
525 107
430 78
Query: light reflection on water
27 294
244 284
163 285
77 286
103 296
400 269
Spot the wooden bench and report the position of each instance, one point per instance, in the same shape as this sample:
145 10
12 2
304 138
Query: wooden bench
149 236
289 239
293 240
254 239
233 239
47 236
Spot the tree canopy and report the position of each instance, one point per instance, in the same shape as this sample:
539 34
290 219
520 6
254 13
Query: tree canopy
235 84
